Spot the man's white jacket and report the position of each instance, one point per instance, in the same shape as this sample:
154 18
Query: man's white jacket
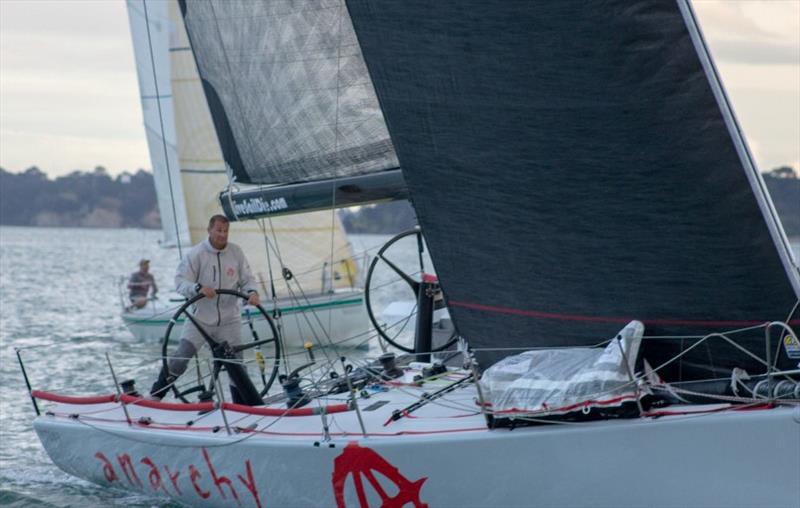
220 269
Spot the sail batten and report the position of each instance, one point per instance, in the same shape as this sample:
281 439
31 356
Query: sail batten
571 159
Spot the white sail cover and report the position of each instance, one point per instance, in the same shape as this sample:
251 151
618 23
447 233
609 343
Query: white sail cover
559 381
150 31
305 243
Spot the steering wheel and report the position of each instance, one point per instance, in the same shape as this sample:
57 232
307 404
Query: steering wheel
409 279
257 342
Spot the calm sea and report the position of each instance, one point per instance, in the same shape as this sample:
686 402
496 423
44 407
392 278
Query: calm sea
60 304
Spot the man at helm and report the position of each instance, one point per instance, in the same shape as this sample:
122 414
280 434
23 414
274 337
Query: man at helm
211 265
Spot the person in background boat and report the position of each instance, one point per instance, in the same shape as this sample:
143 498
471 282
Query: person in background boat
140 284
210 265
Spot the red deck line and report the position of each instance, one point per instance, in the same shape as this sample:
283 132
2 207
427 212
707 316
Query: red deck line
604 319
668 412
372 434
197 428
571 407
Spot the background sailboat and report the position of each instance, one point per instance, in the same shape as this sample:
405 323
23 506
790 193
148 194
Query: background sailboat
151 32
325 276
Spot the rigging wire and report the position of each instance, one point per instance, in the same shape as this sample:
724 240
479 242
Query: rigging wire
287 274
163 135
276 312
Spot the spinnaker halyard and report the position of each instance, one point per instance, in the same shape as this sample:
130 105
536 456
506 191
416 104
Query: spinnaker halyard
626 303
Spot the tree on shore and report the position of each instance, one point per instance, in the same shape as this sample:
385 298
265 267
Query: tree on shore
783 172
93 199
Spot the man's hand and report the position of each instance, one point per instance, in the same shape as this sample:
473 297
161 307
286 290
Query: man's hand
253 299
208 291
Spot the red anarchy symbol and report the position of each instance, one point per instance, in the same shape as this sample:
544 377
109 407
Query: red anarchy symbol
365 462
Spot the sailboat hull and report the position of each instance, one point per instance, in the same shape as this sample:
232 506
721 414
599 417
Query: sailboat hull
732 459
340 316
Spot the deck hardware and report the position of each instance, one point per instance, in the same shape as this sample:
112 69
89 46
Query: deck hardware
352 396
129 387
473 366
326 433
390 370
425 398
119 392
787 330
376 405
630 375
221 403
27 382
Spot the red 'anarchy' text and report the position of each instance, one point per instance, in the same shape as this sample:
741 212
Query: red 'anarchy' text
201 477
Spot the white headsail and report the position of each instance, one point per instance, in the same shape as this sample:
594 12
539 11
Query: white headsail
150 30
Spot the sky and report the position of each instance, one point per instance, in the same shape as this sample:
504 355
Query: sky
69 97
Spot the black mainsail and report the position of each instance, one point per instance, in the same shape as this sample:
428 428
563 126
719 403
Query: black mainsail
292 103
574 165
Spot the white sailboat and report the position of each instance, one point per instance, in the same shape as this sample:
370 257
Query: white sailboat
637 335
190 171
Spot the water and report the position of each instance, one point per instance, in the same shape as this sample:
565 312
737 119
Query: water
59 299
60 302
58 290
